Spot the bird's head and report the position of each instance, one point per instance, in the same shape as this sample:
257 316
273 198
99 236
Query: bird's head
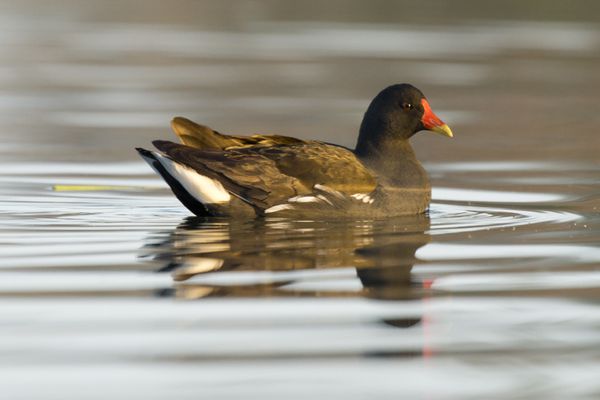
400 111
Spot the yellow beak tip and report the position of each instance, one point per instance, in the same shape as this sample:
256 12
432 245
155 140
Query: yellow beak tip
443 130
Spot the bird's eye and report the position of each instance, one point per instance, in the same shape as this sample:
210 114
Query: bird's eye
406 106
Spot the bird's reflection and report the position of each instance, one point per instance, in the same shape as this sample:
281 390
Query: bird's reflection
275 257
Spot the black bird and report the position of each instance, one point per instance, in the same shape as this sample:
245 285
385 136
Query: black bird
272 175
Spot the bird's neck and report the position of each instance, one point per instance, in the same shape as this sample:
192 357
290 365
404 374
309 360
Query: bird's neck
393 160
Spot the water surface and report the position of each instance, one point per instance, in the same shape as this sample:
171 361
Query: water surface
123 284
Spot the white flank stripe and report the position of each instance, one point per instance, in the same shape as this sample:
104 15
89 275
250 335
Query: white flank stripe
204 189
329 190
304 199
279 207
325 199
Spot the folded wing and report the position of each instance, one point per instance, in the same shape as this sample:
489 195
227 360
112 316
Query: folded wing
267 175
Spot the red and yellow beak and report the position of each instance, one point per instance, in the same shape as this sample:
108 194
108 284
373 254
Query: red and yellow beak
431 122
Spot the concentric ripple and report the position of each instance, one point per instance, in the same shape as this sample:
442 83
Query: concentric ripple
450 218
101 215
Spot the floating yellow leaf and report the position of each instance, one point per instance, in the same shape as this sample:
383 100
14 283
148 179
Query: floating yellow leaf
89 188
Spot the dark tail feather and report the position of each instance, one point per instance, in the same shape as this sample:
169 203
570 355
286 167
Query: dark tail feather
184 197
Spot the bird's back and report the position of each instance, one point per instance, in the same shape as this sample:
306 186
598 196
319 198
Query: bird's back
260 171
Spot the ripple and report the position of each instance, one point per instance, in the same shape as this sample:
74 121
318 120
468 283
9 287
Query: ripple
106 226
526 281
493 196
563 252
448 218
508 166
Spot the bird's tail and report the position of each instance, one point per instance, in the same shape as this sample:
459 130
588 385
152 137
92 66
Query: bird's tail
200 194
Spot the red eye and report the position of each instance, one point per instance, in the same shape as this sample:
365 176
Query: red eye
407 106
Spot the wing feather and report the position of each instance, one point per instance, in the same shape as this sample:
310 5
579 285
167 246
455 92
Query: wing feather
251 177
267 170
202 137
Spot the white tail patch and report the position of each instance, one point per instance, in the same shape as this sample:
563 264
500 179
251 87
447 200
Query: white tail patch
204 189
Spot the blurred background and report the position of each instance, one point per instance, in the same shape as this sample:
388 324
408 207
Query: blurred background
89 80
492 294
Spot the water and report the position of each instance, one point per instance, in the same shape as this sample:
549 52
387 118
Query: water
111 289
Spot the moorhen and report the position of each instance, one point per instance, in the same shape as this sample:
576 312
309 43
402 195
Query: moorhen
272 175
